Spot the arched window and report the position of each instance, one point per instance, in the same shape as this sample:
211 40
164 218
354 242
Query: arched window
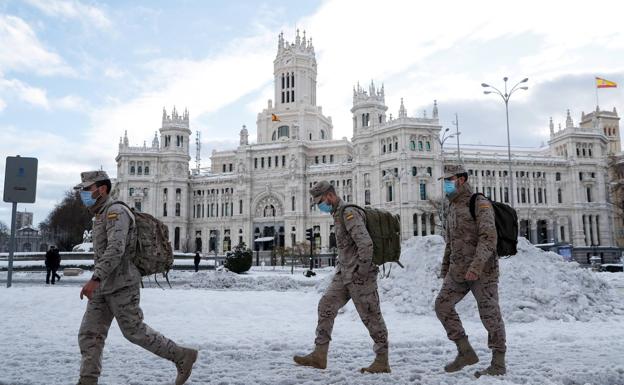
420 145
292 203
414 171
412 145
282 131
428 146
177 210
274 136
429 171
176 239
322 134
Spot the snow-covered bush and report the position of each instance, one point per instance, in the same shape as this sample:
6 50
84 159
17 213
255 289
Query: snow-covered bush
240 260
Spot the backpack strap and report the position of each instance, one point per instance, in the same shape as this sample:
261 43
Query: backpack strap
127 209
341 213
473 200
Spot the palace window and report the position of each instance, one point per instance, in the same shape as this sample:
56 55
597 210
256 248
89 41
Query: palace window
283 131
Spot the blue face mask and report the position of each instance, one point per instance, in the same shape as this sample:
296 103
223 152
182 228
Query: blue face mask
87 199
324 207
449 188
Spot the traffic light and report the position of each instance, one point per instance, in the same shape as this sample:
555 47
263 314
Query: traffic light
310 234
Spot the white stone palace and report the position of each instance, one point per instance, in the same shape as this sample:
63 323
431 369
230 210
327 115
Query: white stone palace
260 190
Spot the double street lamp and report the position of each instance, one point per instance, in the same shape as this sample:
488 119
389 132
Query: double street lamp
505 96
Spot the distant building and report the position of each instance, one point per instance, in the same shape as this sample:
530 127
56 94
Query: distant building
23 219
28 239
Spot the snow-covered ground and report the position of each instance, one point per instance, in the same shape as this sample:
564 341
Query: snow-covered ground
565 325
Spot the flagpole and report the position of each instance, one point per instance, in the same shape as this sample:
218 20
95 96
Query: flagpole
597 100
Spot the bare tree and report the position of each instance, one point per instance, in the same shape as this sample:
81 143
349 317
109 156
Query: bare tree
67 222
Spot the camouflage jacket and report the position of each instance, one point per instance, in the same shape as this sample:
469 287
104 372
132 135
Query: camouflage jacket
470 243
355 246
114 241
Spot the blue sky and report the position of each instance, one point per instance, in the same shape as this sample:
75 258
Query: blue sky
74 75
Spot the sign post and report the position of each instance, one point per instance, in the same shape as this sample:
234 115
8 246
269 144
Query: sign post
20 186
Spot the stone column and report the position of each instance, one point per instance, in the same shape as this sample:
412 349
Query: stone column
533 224
551 230
419 224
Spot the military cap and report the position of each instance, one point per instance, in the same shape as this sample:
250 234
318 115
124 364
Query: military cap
90 177
451 170
319 189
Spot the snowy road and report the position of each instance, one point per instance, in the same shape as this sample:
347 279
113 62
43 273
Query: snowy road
249 337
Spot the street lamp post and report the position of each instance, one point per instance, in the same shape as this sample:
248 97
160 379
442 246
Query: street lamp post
505 96
456 124
441 140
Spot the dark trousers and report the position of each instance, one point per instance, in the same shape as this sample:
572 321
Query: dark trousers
54 275
196 267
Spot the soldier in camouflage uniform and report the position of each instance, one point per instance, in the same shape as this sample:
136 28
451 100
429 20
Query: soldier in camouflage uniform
355 278
113 290
470 264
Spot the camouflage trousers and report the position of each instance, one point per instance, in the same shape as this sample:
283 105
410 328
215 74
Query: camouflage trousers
486 293
123 305
366 300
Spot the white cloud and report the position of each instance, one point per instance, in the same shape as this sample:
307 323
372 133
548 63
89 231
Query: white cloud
73 9
114 72
2 105
71 102
23 52
31 95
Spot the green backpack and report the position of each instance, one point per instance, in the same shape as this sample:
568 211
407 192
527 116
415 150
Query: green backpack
384 229
153 250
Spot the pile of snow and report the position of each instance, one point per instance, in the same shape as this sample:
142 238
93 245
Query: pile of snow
227 280
533 284
83 247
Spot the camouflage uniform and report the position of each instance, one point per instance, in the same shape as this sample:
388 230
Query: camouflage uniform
470 247
118 295
355 278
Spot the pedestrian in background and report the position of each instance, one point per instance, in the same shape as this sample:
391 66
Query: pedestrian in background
52 263
196 260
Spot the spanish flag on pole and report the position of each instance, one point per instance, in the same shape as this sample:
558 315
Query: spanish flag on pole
275 118
604 83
